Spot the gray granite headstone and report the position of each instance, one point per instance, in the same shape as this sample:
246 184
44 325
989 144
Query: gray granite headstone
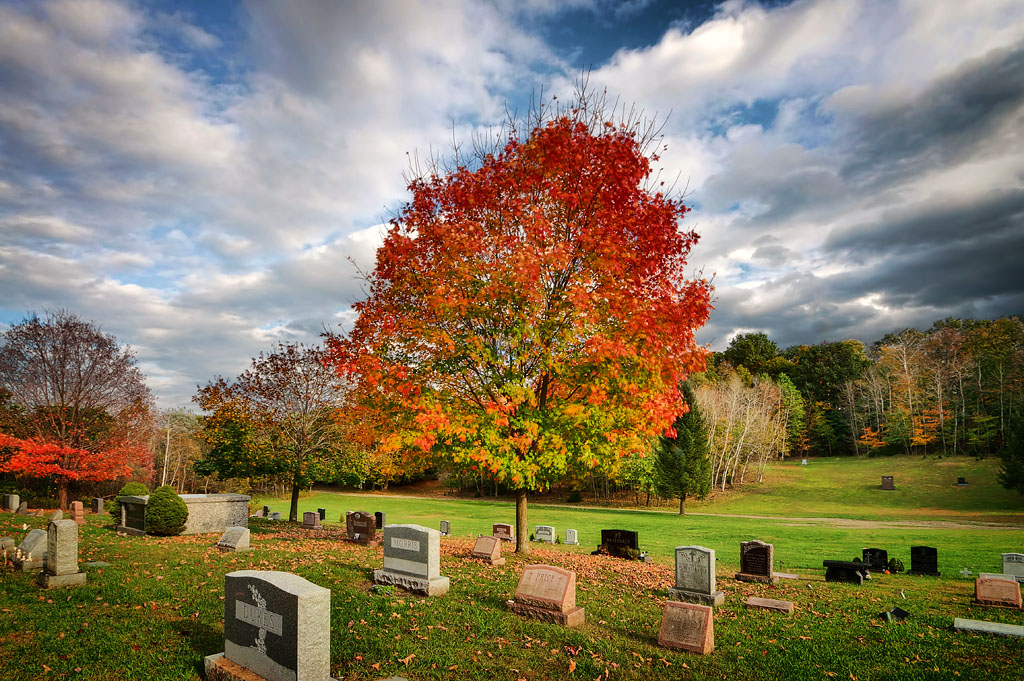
276 515
276 625
61 556
235 539
695 577
11 502
1013 564
57 515
22 507
571 537
31 553
545 533
412 560
97 505
446 528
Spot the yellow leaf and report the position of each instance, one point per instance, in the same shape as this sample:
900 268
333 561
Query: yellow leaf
572 666
406 660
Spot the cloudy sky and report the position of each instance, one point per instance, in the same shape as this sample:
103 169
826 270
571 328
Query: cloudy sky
203 179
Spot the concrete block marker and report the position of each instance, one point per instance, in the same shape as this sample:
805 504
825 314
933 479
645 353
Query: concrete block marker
277 626
983 627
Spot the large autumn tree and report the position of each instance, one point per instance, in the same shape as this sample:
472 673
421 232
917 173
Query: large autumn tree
279 417
78 406
529 313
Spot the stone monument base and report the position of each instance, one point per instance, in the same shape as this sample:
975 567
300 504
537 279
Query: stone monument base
760 579
573 618
438 586
923 573
133 531
497 562
219 668
48 581
372 543
27 565
716 598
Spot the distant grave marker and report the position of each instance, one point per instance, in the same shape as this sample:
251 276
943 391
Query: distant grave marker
311 521
77 512
381 519
687 626
488 549
888 482
502 531
322 512
571 538
363 528
1013 564
548 593
852 572
31 553
876 559
446 528
97 505
620 543
545 533
962 482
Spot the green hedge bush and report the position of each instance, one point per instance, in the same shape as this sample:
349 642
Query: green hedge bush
166 513
130 489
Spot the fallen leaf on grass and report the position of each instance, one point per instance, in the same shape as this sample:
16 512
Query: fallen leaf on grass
407 660
572 666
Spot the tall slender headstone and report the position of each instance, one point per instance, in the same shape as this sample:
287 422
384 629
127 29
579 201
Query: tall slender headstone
77 512
61 556
412 560
276 625
888 482
11 502
695 576
97 505
322 512
381 519
446 528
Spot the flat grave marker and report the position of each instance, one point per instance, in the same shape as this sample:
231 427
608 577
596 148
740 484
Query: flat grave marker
61 568
695 576
687 626
983 627
488 549
412 560
276 625
769 604
756 562
548 593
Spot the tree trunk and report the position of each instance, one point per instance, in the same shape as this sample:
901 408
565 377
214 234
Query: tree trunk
62 493
682 504
293 512
522 529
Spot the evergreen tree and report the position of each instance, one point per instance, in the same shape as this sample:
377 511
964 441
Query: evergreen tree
682 467
1011 473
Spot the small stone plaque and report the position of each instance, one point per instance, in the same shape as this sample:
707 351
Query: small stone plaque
571 538
994 591
769 604
687 626
548 593
756 562
502 531
924 560
1013 564
488 549
235 539
276 625
545 533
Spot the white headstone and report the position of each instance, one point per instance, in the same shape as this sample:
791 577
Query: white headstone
1013 564
571 538
545 533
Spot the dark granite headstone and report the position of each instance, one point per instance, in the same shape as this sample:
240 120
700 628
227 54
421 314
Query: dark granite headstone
887 482
381 519
363 528
620 542
756 562
924 560
853 572
322 513
276 625
877 559
266 511
133 515
97 505
962 482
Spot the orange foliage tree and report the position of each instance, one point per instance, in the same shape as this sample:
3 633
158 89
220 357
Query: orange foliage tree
529 316
78 407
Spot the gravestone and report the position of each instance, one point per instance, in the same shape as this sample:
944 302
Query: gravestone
57 515
695 577
97 505
412 560
322 512
548 593
996 591
61 556
621 543
502 531
347 517
769 604
446 528
877 559
133 515
266 511
571 538
276 625
364 528
687 626
22 507
756 562
1013 564
962 482
488 549
852 572
235 539
77 512
276 515
311 521
11 502
545 533
924 560
803 462
887 482
31 553
7 546
982 627
381 519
